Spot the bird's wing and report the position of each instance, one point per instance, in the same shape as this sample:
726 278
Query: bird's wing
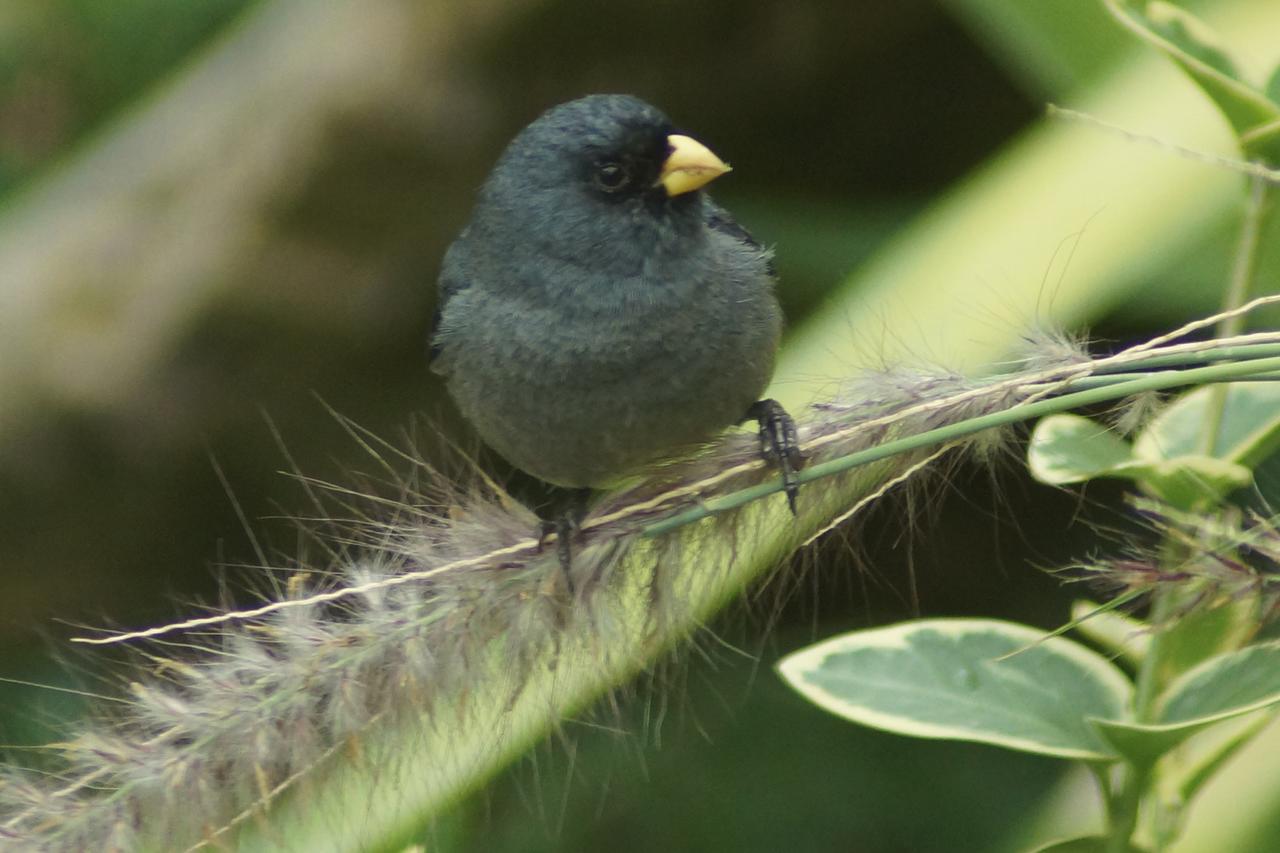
719 219
451 281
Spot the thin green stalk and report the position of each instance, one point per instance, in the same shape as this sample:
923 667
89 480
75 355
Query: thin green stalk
1135 780
1149 674
1243 276
1122 810
1179 359
951 432
1126 800
1256 216
1111 379
1149 682
1102 772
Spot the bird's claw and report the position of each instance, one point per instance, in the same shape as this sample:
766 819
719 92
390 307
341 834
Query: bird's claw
567 527
780 444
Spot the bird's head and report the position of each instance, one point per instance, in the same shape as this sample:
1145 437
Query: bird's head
606 178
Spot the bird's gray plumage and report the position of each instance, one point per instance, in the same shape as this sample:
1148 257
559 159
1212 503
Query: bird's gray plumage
586 332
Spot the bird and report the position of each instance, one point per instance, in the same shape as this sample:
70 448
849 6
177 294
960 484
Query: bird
600 312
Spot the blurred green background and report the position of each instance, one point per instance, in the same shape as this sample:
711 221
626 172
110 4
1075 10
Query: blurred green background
215 215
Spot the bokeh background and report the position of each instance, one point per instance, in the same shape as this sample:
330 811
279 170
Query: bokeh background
220 219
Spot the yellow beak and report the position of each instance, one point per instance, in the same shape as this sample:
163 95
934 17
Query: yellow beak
690 165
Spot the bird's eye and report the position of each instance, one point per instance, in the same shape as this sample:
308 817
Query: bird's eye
611 177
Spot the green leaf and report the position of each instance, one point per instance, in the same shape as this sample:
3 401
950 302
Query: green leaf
1143 744
1221 688
1193 46
967 679
1187 482
1071 449
1262 142
1272 89
1157 208
1248 433
1250 430
1169 456
1086 844
1191 36
1200 759
1049 47
1224 686
1266 476
1205 629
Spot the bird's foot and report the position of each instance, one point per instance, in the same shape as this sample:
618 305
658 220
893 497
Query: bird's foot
567 527
779 444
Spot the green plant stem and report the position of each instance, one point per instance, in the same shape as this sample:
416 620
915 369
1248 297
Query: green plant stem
1107 381
1243 275
1256 217
1113 804
1165 599
1126 799
951 432
1178 359
1122 809
1149 675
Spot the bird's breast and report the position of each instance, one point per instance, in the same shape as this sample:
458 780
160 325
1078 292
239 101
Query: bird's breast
580 391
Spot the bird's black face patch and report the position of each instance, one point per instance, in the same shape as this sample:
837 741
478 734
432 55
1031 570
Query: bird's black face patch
582 182
628 167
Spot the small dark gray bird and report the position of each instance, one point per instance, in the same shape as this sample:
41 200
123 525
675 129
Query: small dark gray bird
600 312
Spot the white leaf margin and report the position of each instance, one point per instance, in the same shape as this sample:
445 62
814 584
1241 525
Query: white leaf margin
796 668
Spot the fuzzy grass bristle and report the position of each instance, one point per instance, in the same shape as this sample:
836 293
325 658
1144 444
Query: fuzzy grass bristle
1216 559
439 638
